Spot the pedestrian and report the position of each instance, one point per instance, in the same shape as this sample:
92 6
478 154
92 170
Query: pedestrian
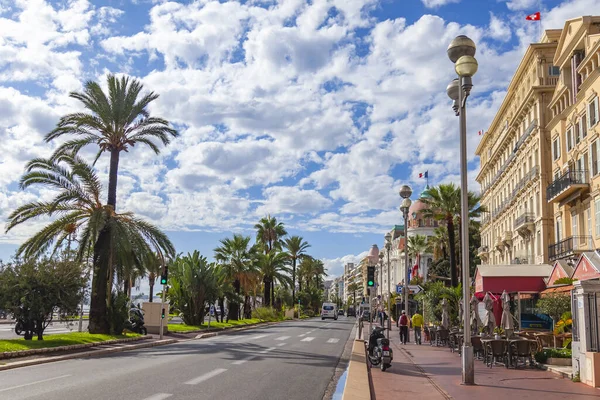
403 327
417 323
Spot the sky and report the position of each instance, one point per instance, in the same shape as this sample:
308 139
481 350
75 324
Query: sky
315 112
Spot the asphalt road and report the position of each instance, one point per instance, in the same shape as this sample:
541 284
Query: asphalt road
292 360
7 331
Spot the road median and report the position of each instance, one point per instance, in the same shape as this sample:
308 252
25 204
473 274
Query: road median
357 383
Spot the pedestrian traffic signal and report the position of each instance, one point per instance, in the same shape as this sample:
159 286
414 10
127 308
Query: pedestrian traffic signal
162 314
164 275
370 276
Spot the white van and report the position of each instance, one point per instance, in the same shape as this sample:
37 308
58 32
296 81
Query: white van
329 310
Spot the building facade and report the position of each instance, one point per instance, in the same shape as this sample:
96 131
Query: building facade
574 189
516 165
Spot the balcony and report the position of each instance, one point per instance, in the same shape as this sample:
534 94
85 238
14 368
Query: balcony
499 244
507 238
572 245
571 182
482 252
524 224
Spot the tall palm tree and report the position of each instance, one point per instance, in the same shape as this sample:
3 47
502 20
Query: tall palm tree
296 248
273 266
269 233
418 245
236 257
353 288
439 243
152 271
114 122
132 241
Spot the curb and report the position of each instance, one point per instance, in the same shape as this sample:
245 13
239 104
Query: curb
33 352
562 374
205 333
358 383
38 361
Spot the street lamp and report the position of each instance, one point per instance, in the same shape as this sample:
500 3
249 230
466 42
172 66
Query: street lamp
388 246
405 193
461 52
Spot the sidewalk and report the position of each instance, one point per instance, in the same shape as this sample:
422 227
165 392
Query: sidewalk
434 373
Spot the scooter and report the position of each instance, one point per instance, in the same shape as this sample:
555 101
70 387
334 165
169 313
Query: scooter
379 350
136 321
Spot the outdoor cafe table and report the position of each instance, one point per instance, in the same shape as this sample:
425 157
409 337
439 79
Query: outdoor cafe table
508 342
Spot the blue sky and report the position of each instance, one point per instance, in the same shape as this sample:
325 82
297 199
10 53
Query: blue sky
315 112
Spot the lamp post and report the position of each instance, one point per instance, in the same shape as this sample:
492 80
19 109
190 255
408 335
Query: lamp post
461 52
380 283
405 193
388 246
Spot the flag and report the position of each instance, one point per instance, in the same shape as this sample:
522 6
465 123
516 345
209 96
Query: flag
534 17
480 133
415 268
424 174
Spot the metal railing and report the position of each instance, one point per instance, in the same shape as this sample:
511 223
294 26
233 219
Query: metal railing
569 178
569 246
482 249
523 219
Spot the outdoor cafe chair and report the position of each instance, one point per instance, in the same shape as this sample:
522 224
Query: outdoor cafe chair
478 349
496 349
443 337
522 350
432 337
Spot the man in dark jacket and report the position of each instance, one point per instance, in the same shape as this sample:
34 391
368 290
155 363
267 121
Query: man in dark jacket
403 323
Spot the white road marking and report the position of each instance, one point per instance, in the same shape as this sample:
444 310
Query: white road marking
333 340
34 383
159 396
303 334
281 344
266 350
259 336
283 338
240 362
308 339
205 377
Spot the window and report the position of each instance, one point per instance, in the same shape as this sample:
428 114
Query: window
558 228
576 133
588 214
569 138
574 224
583 126
556 149
597 215
594 158
553 70
593 112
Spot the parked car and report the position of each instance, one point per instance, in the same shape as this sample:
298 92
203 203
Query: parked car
340 312
3 314
329 310
351 312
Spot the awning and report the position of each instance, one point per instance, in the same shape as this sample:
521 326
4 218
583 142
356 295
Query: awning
557 289
512 278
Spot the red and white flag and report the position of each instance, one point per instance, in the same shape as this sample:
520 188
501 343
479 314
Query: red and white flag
534 17
480 133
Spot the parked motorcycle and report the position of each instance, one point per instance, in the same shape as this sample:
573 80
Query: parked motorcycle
379 350
136 321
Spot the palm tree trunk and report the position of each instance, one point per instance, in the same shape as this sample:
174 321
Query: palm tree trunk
452 246
151 291
293 282
112 178
98 302
234 307
272 292
267 291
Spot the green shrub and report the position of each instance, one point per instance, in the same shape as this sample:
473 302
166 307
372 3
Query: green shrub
267 314
544 355
118 313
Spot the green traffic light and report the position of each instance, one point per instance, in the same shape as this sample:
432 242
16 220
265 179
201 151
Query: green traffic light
370 283
163 281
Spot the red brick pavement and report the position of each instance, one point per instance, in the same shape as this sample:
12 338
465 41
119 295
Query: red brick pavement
434 373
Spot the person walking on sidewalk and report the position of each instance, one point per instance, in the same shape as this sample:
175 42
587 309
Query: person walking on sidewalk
403 323
417 323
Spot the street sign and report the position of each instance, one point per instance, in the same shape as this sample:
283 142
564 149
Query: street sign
413 289
212 310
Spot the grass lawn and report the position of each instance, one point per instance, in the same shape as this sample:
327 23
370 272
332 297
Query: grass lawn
213 325
64 339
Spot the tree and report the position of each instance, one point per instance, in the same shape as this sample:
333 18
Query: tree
115 123
273 267
555 305
153 270
77 206
296 248
193 285
237 260
353 288
34 290
418 245
443 203
269 233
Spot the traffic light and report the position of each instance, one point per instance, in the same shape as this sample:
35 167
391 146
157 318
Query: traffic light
164 276
162 314
370 276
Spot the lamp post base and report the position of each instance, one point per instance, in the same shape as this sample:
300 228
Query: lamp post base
468 366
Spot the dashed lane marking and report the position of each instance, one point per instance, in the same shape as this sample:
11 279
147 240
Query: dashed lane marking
206 376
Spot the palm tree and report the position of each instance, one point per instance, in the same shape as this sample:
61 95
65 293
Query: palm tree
152 271
236 258
115 123
77 203
274 269
418 245
353 288
269 233
296 248
443 203
439 243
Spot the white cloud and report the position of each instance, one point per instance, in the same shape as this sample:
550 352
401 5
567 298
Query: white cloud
437 3
516 5
499 29
335 266
285 199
